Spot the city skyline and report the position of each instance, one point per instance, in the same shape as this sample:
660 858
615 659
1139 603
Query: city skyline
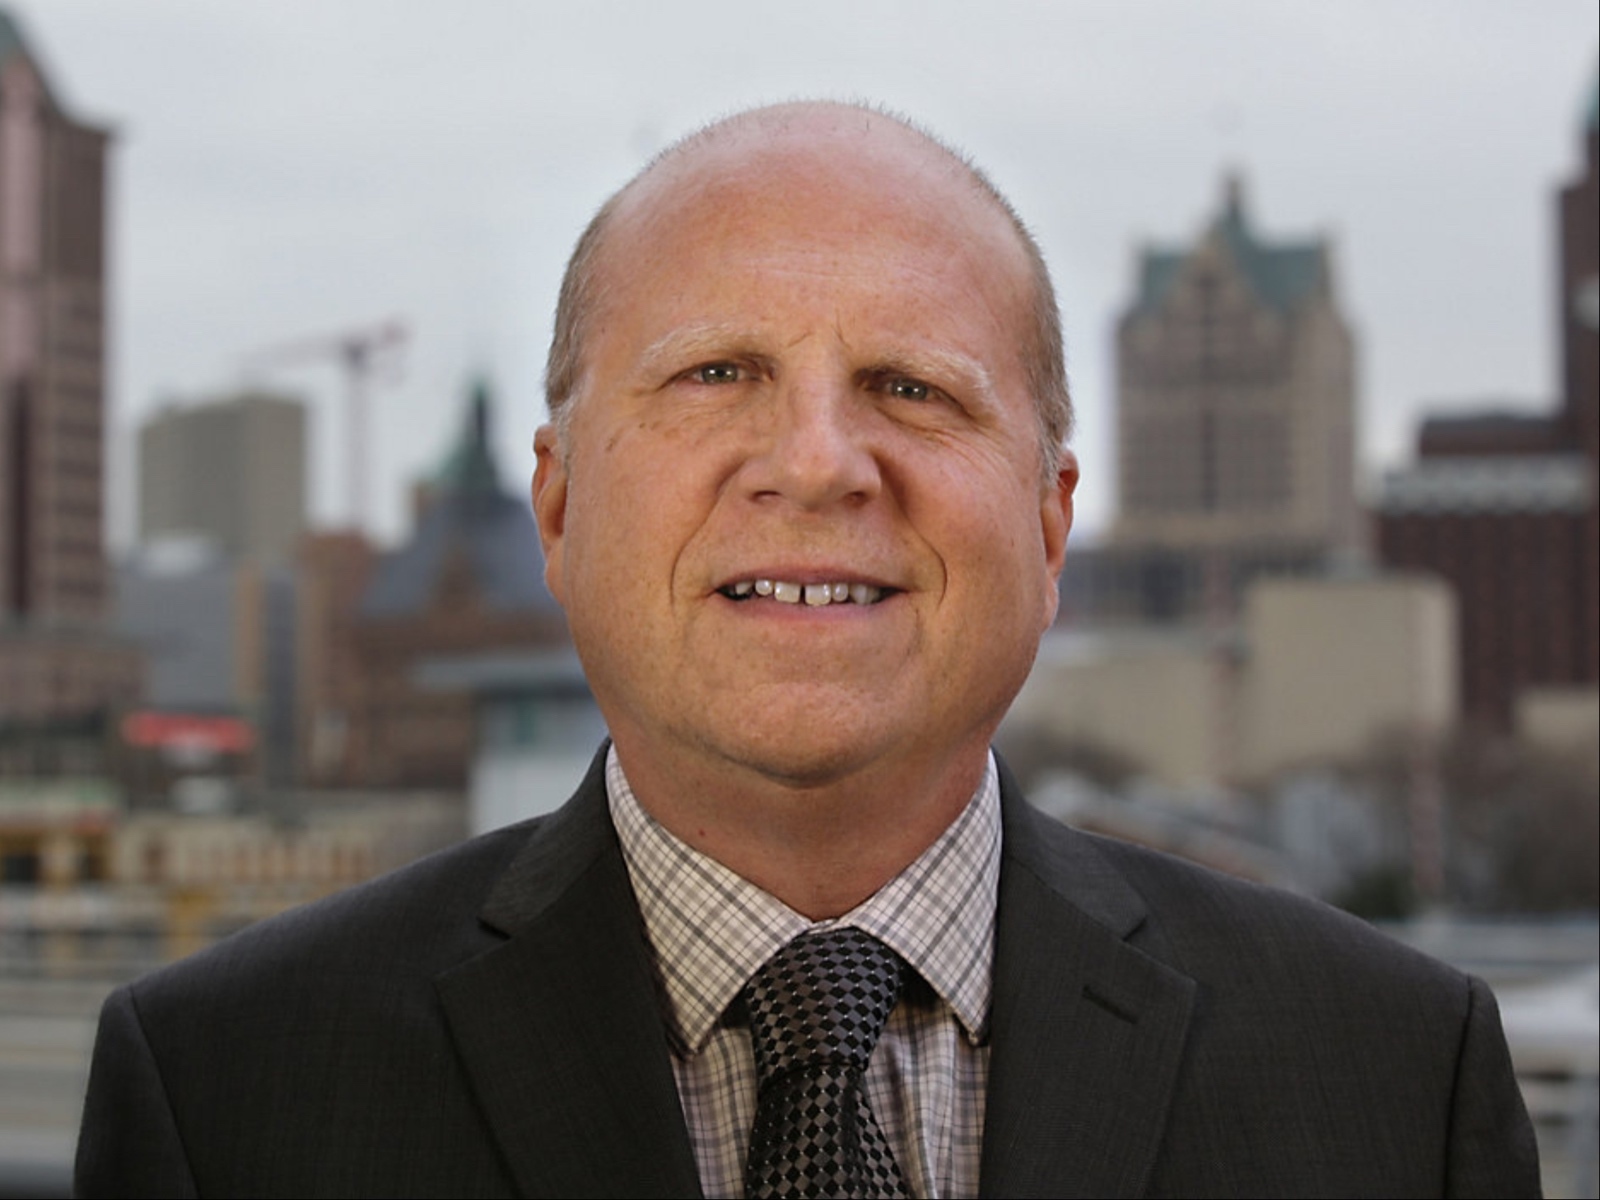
286 171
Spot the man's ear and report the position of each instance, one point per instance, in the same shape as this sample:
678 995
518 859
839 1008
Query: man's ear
550 505
1055 521
1055 511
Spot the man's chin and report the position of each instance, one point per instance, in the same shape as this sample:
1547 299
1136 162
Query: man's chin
801 764
874 759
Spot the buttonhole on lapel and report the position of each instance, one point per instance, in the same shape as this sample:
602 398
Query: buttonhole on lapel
1111 1006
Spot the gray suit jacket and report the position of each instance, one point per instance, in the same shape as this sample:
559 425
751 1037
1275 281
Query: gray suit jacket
484 1023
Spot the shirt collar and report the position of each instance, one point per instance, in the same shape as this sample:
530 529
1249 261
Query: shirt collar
711 929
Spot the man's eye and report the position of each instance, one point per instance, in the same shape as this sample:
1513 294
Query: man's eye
908 389
722 372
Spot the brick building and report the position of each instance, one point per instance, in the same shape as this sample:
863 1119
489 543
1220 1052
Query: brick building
470 580
1503 504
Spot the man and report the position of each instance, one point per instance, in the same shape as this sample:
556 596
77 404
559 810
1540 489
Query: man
805 503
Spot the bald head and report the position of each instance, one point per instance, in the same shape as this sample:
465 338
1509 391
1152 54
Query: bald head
840 139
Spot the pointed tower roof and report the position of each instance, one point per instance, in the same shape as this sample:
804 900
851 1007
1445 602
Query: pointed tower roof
1281 274
14 44
470 466
473 522
11 41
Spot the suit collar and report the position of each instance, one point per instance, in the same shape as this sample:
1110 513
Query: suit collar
559 1027
1088 1030
1066 863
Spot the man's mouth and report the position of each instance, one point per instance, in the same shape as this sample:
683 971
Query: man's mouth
814 594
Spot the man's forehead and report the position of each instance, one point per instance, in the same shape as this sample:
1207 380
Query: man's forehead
834 154
836 181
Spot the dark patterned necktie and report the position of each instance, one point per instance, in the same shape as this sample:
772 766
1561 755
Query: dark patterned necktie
817 1009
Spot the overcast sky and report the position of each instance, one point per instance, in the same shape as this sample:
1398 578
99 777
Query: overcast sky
296 168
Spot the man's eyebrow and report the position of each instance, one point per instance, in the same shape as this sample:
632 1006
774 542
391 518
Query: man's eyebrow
692 343
932 365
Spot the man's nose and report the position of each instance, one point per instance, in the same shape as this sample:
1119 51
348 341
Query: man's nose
817 449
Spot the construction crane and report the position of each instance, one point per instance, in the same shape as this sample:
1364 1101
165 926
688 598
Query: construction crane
360 353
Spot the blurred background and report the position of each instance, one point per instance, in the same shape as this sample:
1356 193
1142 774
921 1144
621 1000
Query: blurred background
276 283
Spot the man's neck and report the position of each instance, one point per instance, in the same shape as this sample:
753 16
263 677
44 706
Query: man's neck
821 848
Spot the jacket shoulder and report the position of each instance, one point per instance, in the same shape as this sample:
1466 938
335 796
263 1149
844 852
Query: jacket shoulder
307 1054
1317 1049
1220 928
418 919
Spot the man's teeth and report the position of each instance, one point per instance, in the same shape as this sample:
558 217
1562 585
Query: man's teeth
814 594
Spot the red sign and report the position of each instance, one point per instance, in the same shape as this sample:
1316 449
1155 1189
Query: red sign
219 735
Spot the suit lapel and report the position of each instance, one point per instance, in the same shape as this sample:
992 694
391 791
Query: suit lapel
1087 1031
559 1028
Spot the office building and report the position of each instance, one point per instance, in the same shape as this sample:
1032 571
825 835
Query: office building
231 472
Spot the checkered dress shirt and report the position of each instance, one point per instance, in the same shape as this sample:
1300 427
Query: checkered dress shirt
710 930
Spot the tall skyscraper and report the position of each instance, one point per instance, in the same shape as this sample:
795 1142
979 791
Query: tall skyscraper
55 660
1236 397
232 472
52 347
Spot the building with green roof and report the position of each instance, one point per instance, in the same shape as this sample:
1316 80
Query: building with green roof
467 584
1236 395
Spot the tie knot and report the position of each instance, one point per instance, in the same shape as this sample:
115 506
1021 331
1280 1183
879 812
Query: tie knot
822 996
